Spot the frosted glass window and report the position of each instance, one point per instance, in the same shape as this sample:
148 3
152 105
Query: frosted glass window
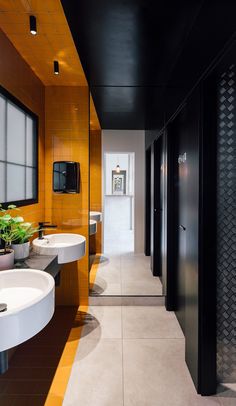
30 156
2 182
18 152
15 183
30 183
2 128
15 135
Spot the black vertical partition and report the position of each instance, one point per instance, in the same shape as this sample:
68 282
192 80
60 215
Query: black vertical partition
190 234
226 218
155 209
148 202
163 210
198 262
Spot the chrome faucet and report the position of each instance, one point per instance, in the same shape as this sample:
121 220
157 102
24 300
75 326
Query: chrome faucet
42 227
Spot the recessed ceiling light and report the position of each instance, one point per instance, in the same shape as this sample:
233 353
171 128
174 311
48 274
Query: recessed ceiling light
56 67
33 25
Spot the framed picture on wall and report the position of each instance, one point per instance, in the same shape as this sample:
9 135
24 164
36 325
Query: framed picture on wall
119 183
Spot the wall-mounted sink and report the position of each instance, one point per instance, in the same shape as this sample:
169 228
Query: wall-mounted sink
92 227
68 247
29 296
95 215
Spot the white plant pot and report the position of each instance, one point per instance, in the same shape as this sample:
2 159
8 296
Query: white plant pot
21 250
7 260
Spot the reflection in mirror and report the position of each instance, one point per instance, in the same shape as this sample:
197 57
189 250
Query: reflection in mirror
118 266
95 212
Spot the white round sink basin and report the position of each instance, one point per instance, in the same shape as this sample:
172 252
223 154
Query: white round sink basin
95 215
68 247
92 227
29 296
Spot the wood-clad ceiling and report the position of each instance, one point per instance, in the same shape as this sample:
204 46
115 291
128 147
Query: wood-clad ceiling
52 42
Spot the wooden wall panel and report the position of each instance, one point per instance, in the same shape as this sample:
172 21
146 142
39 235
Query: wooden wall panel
17 77
94 121
67 115
96 185
67 138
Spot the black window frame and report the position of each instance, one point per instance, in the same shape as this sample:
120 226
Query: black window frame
12 99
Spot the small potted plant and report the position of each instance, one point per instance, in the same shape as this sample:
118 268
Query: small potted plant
21 232
15 233
6 253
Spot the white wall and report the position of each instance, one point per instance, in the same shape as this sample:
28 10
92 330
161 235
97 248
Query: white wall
131 141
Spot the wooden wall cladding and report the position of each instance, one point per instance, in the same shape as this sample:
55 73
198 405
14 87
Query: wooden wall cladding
67 138
96 185
65 104
17 77
94 121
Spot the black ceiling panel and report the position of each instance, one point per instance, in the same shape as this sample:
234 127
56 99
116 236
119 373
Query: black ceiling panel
135 51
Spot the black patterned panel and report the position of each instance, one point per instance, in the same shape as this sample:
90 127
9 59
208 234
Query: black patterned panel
226 227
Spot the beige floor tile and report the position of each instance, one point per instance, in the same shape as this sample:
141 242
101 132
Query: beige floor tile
225 401
127 274
105 287
155 374
143 301
105 300
149 322
133 273
110 274
140 259
96 376
103 322
113 289
227 394
141 287
110 261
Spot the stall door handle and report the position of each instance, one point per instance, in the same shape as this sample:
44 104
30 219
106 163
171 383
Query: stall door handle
182 227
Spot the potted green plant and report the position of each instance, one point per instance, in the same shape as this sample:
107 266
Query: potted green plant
21 232
6 253
15 233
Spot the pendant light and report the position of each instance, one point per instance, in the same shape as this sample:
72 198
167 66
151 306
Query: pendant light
117 168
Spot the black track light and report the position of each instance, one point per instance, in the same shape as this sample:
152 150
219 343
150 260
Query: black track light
56 67
33 25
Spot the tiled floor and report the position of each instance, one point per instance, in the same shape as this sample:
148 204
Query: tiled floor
125 274
134 356
121 272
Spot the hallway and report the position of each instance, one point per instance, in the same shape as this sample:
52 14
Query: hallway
123 274
117 203
134 356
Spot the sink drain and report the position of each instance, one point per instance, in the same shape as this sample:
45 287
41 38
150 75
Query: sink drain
3 307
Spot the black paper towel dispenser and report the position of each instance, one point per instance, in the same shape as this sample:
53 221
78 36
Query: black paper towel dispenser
66 177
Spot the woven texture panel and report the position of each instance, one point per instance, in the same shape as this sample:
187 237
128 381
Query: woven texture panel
226 227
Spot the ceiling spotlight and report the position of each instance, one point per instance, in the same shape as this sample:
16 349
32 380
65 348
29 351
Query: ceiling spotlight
33 25
56 67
